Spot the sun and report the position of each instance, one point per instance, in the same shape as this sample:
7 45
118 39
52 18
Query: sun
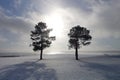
56 22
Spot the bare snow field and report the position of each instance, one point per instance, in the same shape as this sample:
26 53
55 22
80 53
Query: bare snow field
61 67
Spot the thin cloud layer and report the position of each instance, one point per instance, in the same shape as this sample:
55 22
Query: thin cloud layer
100 16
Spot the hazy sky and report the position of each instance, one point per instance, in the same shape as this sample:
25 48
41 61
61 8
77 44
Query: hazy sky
18 18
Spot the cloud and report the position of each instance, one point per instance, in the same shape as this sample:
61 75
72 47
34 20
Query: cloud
101 17
97 15
18 24
17 3
2 39
14 32
106 17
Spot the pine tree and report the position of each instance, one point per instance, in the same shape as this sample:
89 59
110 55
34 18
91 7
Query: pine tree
40 38
79 36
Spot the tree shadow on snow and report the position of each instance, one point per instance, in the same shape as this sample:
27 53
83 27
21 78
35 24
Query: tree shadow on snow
28 71
109 71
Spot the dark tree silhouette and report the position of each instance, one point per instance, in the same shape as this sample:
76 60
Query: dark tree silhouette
79 36
40 38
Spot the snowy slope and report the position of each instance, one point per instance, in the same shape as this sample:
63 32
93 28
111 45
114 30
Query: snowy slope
60 67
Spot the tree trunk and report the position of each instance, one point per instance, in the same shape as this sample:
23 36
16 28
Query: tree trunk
76 53
41 54
76 49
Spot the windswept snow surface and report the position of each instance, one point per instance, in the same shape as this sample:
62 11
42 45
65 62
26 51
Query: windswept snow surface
61 67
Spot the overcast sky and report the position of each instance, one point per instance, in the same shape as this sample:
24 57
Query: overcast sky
18 18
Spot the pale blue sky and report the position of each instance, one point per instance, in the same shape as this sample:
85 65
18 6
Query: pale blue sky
18 18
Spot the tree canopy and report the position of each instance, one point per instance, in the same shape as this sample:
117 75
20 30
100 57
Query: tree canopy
79 36
40 37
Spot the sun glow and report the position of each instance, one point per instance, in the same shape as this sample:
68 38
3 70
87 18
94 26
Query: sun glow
55 21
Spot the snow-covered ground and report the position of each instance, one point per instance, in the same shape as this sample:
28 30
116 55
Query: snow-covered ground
61 67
